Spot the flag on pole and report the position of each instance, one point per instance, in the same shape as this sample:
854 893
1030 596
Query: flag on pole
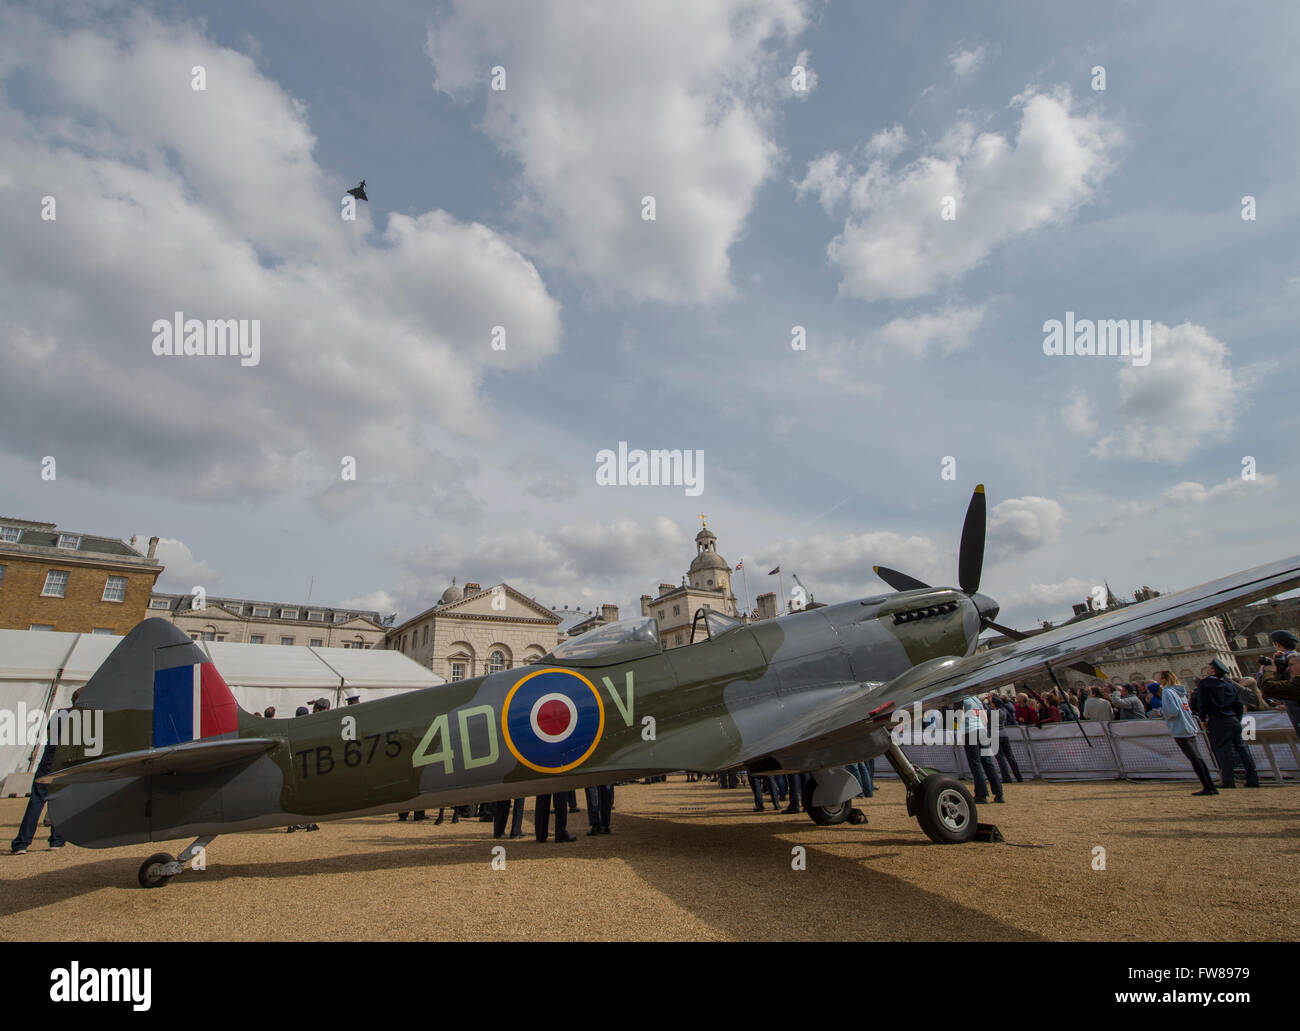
775 571
740 565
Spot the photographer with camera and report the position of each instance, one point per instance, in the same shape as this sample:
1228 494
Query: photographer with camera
1279 677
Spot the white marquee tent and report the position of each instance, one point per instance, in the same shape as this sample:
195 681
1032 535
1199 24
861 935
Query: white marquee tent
40 670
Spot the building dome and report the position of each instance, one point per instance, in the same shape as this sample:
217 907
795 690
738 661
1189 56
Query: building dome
707 557
451 594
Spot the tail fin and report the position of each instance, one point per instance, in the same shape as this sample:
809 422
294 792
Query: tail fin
165 710
158 688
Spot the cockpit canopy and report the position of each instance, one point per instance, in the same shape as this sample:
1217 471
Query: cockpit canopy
614 642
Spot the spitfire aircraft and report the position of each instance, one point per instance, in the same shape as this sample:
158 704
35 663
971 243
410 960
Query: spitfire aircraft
809 692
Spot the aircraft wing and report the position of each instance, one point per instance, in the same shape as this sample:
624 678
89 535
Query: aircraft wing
1115 628
187 757
940 682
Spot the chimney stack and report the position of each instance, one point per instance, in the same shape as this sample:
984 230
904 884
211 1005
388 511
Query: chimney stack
153 546
609 613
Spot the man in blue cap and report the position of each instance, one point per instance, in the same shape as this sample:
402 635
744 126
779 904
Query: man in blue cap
1218 703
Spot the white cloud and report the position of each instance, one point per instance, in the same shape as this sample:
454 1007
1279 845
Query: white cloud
1183 398
1019 524
181 569
588 563
896 246
828 177
963 61
673 100
1077 415
947 330
376 601
212 204
1074 589
1189 492
810 78
839 566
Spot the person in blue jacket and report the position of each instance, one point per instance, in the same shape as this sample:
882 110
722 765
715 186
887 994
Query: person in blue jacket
1177 711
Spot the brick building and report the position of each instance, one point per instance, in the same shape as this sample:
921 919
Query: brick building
52 579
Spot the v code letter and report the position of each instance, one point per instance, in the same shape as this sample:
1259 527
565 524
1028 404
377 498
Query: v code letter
624 707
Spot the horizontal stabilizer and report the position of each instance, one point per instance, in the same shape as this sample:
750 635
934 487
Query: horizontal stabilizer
185 757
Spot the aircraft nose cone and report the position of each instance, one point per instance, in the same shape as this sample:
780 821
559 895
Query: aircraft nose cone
985 606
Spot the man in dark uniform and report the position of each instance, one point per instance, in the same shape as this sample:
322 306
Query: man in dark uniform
499 813
758 785
36 801
1217 702
542 816
796 783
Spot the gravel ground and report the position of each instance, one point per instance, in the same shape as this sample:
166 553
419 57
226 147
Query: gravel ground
692 861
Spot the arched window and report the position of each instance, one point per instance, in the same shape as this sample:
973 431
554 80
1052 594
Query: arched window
496 662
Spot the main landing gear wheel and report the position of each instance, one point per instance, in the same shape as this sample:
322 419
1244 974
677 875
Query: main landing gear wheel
945 810
151 875
824 816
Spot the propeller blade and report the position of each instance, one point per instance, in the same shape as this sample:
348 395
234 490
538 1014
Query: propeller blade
970 560
1006 631
899 581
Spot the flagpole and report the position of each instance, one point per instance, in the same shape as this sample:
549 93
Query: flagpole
780 577
744 576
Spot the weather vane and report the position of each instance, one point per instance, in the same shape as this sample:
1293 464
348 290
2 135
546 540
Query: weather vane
703 524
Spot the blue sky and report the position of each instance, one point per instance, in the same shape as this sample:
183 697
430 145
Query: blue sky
774 209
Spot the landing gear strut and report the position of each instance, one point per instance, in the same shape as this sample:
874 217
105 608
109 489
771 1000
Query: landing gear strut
160 867
941 805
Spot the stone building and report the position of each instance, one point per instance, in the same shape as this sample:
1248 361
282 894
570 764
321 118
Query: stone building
1248 628
474 631
246 621
1185 651
706 585
75 582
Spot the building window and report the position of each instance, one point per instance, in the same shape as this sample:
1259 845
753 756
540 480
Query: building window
56 583
679 639
115 589
1194 635
315 617
317 642
10 534
262 611
426 633
41 626
102 630
286 640
710 583
458 671
2 576
661 613
288 613
159 603
209 635
340 617
677 610
221 637
70 541
496 662
233 606
1174 640
256 639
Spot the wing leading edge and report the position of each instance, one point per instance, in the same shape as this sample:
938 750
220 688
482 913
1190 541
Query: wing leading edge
940 682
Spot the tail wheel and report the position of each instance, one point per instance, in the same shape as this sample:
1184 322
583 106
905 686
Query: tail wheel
150 870
824 816
945 810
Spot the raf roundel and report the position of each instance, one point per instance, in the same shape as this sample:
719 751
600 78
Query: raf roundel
552 720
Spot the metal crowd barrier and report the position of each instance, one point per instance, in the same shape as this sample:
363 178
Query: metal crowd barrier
1118 749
